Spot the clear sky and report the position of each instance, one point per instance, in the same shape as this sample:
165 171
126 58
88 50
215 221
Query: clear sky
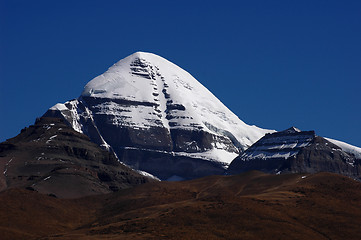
275 64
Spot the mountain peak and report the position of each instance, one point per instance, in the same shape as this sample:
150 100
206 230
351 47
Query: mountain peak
145 56
146 103
141 54
127 78
292 130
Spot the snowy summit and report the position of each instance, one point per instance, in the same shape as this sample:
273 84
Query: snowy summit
145 92
148 78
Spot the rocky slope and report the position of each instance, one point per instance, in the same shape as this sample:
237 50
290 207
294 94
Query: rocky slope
293 150
50 157
159 119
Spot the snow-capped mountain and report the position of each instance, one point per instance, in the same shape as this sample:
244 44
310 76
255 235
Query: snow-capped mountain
159 119
293 150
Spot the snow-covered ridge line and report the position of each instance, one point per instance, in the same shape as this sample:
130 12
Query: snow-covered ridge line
146 174
347 147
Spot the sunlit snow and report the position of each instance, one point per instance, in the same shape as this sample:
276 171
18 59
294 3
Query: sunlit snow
347 147
158 93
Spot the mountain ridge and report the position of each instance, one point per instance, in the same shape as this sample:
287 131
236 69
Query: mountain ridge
293 150
159 119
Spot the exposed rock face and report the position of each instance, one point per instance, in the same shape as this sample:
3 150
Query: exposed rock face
50 157
146 105
295 151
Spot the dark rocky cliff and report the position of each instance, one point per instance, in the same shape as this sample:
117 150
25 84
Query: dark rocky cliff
50 157
156 150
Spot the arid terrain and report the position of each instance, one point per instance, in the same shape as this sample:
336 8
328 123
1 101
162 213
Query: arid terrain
252 205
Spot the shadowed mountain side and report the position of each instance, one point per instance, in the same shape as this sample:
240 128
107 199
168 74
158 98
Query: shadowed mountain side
51 158
252 205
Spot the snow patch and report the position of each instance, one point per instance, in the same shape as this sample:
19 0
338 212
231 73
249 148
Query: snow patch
146 174
52 137
59 106
47 178
264 155
7 165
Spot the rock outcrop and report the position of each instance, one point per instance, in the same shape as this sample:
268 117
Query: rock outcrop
295 151
52 158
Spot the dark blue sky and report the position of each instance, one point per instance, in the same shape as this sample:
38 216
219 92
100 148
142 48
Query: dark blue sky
273 63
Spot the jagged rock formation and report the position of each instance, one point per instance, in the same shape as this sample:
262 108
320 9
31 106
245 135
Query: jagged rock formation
293 150
51 158
158 119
